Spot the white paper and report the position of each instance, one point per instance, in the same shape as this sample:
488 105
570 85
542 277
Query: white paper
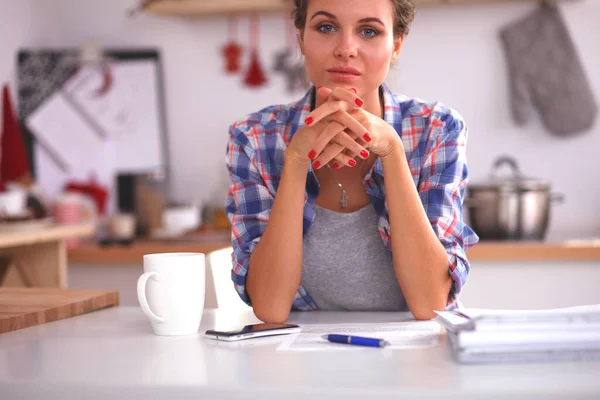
63 132
81 134
127 113
401 335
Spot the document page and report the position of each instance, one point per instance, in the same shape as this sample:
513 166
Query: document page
400 335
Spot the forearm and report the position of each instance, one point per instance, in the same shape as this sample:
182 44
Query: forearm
420 260
275 266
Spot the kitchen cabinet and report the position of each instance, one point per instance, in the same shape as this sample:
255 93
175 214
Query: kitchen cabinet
214 7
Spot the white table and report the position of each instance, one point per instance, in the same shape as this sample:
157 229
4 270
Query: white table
113 354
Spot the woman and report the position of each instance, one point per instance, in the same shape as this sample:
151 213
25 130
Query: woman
351 198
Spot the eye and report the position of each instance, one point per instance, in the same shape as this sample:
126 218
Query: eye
369 32
326 28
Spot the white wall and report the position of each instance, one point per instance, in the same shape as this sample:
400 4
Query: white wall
453 54
21 23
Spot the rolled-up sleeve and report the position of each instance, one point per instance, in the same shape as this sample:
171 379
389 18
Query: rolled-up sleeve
442 186
248 203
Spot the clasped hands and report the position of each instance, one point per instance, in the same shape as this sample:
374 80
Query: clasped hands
341 130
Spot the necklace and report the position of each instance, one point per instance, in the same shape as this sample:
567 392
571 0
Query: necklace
344 195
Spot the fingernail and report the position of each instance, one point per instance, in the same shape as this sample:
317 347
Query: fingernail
316 165
364 154
308 120
352 163
367 137
354 90
335 165
319 87
312 154
359 102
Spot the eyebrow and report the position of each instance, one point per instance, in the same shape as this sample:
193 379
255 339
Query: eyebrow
331 16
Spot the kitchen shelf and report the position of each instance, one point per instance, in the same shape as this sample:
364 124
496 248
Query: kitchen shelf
196 8
90 254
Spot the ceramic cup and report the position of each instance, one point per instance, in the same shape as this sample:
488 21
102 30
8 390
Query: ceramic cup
122 226
171 292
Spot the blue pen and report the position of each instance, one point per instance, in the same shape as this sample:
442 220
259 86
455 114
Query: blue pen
356 340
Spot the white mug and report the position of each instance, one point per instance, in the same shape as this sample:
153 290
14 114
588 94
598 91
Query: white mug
171 292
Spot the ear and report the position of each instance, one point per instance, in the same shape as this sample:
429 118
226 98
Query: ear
397 47
300 37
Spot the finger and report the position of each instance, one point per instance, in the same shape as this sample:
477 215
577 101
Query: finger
344 99
354 149
323 94
348 96
352 124
324 110
312 133
331 131
333 151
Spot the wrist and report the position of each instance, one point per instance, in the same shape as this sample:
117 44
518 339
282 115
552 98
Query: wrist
395 149
295 162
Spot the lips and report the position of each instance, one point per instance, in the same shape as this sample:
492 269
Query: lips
344 70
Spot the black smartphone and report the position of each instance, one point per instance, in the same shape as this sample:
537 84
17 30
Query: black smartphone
253 331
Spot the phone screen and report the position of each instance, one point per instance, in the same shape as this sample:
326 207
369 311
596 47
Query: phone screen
252 328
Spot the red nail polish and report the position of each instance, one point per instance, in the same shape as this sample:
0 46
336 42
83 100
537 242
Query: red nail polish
316 165
364 154
335 165
354 90
308 121
359 102
367 137
352 163
312 154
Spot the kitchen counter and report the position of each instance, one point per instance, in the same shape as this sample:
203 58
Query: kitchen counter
91 253
113 354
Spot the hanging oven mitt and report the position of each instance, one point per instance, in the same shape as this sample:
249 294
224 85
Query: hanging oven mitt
546 73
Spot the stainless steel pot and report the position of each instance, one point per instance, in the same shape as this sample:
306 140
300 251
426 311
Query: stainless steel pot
512 208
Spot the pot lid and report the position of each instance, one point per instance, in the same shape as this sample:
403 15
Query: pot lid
514 181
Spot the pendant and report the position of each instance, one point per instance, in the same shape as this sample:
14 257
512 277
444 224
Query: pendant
344 199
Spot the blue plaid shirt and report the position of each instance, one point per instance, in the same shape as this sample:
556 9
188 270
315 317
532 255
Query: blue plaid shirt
434 138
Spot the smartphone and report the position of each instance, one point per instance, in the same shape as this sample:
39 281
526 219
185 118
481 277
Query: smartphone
253 331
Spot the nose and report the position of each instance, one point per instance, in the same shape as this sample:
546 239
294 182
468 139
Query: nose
346 48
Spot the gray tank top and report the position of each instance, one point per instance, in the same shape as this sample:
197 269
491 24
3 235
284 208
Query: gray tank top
346 267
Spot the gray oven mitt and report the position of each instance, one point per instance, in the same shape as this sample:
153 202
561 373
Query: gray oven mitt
545 72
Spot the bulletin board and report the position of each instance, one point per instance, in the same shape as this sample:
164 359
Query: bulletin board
73 134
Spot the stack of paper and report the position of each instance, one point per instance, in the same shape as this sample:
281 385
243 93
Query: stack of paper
480 336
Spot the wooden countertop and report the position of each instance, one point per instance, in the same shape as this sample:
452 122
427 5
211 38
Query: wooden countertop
24 307
91 253
44 233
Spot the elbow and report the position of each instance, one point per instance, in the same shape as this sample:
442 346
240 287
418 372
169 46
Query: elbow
426 311
271 314
423 315
269 310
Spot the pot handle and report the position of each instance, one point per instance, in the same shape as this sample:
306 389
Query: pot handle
557 198
511 162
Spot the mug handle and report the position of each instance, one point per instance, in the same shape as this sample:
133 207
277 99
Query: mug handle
141 292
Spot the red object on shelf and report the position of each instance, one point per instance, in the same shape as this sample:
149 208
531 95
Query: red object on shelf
255 75
232 51
92 189
14 165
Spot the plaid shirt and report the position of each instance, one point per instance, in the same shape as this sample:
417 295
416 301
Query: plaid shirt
434 138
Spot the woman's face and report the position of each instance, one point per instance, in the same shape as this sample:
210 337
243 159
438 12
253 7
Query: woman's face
349 43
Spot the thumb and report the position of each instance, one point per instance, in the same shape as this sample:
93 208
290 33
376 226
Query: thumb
323 94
